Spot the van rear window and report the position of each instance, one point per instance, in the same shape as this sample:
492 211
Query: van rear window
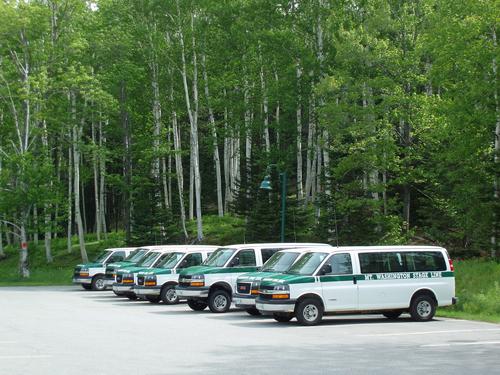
385 262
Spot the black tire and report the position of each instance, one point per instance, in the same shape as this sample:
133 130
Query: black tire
197 305
168 295
393 315
253 311
153 299
282 317
98 283
309 312
119 294
131 296
423 308
219 301
87 286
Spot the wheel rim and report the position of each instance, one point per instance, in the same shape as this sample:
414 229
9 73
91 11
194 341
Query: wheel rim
310 313
171 295
424 309
99 283
220 302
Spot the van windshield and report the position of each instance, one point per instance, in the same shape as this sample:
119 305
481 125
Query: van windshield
307 264
219 257
136 255
170 260
280 262
149 259
102 256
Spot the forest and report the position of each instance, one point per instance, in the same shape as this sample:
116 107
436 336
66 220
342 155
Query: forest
144 116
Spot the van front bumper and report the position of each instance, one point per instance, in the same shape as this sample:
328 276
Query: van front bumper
275 306
190 292
82 280
121 288
243 300
141 290
109 282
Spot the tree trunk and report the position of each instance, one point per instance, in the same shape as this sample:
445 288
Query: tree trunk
95 163
215 143
311 152
127 162
2 253
265 106
70 201
102 177
496 157
193 118
178 167
76 185
23 253
300 188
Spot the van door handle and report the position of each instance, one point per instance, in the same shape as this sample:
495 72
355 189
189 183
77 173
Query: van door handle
354 280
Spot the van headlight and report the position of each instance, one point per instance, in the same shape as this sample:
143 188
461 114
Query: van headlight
84 272
198 280
150 280
255 287
281 291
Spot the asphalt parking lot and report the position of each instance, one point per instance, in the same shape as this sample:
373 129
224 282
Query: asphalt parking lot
65 330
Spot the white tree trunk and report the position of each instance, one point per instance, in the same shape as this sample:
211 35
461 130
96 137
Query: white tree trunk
95 163
311 152
228 157
496 148
178 167
102 179
23 253
215 143
2 253
248 133
76 183
300 187
265 106
70 200
47 206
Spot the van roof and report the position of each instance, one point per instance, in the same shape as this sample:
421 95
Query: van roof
283 245
386 248
179 247
120 249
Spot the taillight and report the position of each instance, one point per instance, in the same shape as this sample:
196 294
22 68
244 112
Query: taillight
451 265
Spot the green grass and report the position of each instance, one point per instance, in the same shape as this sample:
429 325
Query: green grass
60 271
221 231
478 291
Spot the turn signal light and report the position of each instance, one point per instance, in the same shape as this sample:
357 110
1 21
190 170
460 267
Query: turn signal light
197 283
150 283
84 274
281 296
254 291
128 281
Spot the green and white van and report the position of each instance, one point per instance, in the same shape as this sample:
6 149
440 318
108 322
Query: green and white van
212 284
247 285
158 284
133 259
388 279
126 277
91 275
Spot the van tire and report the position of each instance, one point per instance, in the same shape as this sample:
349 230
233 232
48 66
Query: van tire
131 297
282 317
167 295
309 311
153 299
98 283
393 315
423 308
219 301
118 294
87 286
253 311
197 305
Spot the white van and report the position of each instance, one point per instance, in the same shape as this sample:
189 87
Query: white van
158 284
213 283
372 279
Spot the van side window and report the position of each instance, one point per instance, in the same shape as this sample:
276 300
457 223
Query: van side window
267 253
246 258
192 259
340 263
425 261
381 262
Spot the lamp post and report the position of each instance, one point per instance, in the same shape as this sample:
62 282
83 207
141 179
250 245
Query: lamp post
266 185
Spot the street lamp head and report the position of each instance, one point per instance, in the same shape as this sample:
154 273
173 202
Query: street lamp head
266 184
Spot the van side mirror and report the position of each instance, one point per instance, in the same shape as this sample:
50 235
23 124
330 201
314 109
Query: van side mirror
326 269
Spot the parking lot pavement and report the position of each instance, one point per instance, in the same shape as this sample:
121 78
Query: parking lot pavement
65 330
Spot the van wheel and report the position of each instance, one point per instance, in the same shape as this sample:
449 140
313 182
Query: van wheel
282 318
131 297
423 308
98 283
119 294
219 301
196 305
168 295
153 299
392 314
309 312
87 286
253 311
